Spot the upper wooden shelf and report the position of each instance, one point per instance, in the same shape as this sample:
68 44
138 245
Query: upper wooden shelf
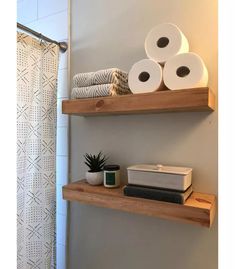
200 99
198 209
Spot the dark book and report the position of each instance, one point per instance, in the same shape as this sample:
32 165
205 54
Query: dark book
160 194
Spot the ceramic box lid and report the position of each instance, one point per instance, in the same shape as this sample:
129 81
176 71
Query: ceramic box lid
159 168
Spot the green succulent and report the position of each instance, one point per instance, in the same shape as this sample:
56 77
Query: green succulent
95 162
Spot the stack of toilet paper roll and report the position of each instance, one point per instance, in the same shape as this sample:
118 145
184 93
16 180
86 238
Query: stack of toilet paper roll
169 62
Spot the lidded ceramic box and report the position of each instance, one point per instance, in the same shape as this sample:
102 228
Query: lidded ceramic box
160 176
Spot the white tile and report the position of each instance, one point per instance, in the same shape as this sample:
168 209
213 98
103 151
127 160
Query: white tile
61 228
62 170
62 141
63 63
60 256
54 27
26 11
63 84
46 7
62 119
61 204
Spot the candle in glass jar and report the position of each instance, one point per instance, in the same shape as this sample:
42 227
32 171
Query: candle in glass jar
112 176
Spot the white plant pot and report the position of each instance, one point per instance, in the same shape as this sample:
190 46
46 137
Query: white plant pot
95 178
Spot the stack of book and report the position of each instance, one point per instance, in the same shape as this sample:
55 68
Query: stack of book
158 182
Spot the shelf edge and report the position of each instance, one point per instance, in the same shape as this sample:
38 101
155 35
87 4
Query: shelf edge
201 99
187 214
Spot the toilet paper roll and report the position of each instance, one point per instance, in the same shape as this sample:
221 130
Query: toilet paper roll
185 71
164 41
145 76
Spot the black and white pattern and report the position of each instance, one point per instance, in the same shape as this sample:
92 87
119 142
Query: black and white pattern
98 91
106 76
37 67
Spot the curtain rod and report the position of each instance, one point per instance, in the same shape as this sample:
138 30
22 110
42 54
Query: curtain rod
62 45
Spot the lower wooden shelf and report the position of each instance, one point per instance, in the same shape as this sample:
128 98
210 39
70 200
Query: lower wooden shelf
198 209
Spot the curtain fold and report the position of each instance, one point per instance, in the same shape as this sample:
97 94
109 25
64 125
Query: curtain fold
37 71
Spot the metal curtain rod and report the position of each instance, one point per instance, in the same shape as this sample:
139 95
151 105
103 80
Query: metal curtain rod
62 45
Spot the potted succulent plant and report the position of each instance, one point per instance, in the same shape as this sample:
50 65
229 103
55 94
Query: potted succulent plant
95 174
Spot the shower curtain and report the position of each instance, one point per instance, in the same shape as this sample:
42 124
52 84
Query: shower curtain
37 68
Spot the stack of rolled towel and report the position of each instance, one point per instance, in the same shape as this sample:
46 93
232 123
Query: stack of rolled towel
108 82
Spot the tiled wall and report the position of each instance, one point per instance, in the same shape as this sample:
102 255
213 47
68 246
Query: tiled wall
51 19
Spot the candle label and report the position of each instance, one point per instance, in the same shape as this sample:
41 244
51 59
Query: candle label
110 178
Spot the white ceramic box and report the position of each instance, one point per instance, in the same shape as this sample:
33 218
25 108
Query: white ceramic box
160 176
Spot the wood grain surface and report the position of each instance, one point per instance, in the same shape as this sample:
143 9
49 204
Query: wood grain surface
198 209
200 99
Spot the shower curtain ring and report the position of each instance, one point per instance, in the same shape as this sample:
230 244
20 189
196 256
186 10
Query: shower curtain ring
40 37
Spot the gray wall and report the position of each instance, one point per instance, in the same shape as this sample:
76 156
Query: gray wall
111 34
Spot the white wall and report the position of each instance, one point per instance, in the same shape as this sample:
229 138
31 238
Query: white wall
111 34
51 19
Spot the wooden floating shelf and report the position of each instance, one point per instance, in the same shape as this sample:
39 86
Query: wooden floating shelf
200 99
198 209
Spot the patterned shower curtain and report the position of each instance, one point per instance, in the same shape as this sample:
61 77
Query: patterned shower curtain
37 67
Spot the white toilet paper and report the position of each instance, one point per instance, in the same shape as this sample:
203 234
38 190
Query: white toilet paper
185 71
145 76
164 41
